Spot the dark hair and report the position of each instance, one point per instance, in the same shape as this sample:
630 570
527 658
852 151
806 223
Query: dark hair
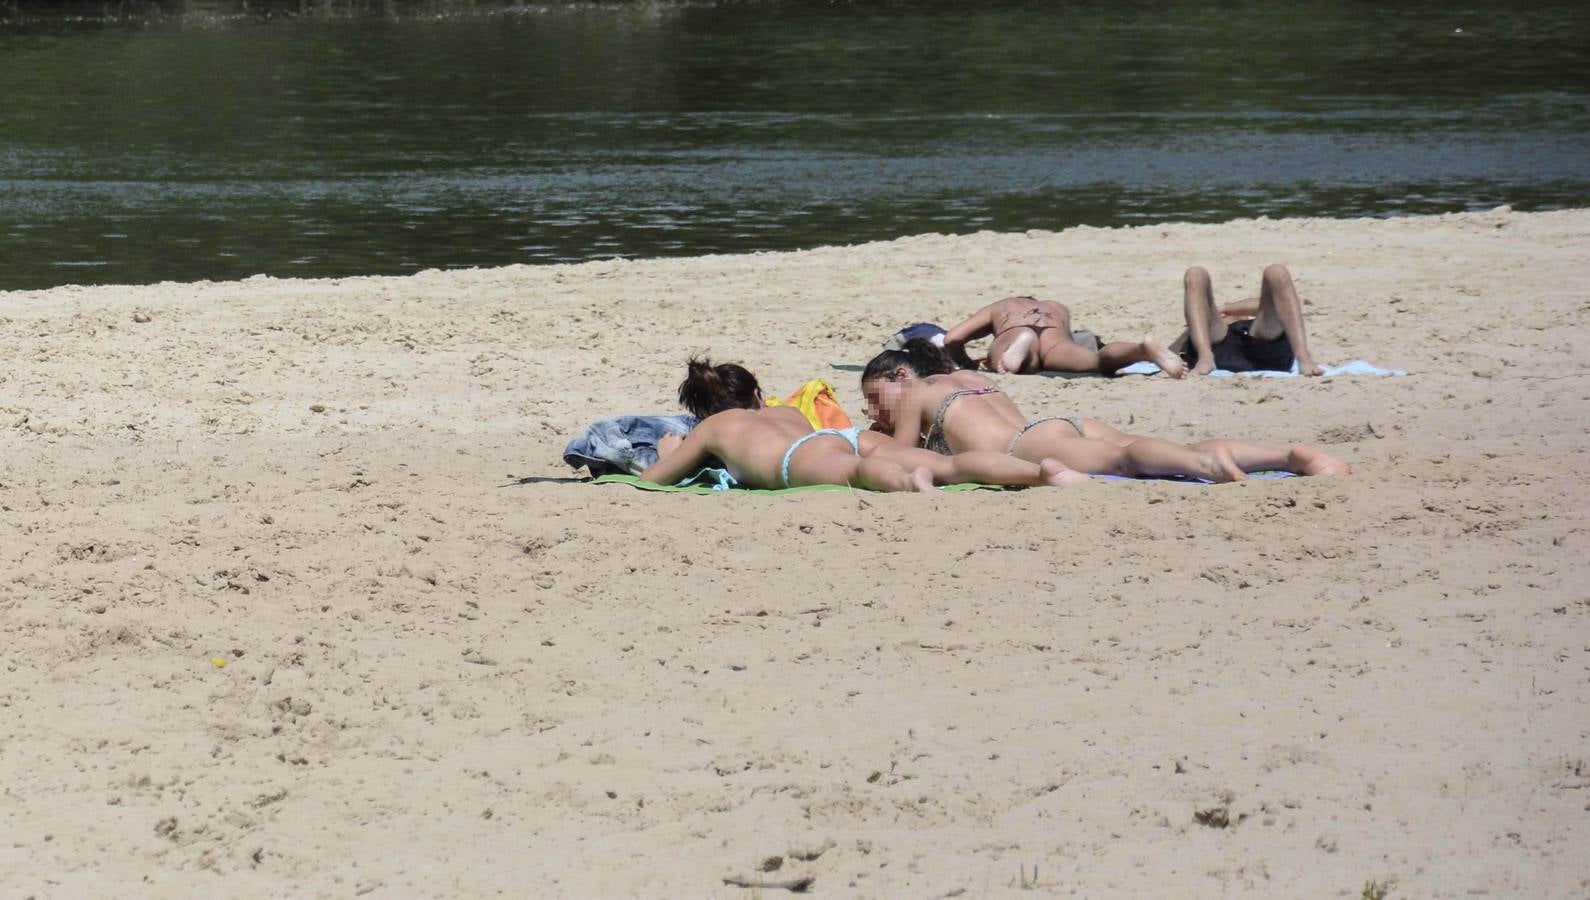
709 389
920 355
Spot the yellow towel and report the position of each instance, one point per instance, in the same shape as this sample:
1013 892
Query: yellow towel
817 403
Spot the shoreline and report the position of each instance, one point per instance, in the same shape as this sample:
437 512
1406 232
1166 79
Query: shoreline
437 679
1504 210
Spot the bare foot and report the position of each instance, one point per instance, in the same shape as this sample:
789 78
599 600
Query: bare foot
922 480
1014 357
1306 460
1056 474
1220 466
1160 355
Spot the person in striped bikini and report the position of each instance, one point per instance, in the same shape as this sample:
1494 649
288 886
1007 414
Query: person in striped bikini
918 396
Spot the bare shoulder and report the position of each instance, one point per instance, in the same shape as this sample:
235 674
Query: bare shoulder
720 422
967 379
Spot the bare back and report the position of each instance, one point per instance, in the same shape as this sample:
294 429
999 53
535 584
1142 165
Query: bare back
1029 312
981 421
751 443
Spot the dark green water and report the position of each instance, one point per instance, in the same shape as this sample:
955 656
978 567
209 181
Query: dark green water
220 147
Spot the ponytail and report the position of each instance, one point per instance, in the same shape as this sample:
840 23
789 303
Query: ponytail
709 389
919 355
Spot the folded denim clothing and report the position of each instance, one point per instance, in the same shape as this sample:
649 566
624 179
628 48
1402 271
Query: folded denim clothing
623 445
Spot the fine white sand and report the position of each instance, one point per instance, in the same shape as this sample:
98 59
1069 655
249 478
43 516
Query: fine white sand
441 680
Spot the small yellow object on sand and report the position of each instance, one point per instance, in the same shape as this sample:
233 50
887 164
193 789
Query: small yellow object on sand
218 662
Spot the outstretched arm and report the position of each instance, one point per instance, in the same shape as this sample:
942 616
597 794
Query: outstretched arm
981 324
687 458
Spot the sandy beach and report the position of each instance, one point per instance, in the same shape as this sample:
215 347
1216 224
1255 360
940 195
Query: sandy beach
296 599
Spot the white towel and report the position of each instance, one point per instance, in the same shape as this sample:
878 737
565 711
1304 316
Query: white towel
1351 367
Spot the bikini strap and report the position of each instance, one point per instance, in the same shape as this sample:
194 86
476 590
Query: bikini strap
938 419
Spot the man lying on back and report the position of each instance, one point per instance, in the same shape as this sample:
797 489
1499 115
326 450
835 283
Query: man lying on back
1262 334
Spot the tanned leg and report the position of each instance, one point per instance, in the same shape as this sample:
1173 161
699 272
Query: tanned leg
1117 355
1153 456
1066 355
1149 457
1248 457
1134 457
1281 312
1009 352
980 466
876 474
1305 459
1205 328
1301 459
990 467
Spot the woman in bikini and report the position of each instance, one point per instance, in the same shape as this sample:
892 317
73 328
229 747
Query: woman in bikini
1032 335
918 396
773 447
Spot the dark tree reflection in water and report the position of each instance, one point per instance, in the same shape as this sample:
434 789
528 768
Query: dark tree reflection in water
384 137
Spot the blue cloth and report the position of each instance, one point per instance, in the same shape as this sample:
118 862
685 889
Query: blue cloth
712 477
1352 367
853 435
917 330
623 445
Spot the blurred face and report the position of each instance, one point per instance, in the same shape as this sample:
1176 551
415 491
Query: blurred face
883 401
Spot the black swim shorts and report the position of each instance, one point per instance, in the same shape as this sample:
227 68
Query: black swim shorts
1242 352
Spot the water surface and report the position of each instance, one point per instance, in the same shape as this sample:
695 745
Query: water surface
205 146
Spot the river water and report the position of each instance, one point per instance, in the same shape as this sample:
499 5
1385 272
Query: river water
213 146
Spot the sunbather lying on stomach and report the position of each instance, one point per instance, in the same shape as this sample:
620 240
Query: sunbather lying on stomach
916 395
1032 335
775 447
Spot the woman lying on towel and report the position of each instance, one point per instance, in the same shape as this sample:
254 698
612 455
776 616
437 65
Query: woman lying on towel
775 447
917 395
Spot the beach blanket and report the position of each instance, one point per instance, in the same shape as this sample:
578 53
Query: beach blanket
1351 367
